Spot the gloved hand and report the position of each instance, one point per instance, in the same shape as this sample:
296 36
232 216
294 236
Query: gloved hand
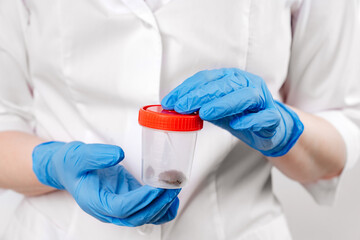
241 103
101 187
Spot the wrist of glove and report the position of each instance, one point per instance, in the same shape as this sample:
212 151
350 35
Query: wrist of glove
42 166
290 130
102 187
241 103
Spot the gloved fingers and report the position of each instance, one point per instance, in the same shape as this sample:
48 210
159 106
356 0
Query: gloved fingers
167 213
121 222
96 198
96 156
131 181
106 219
162 212
127 204
117 179
113 220
190 84
154 208
263 122
195 99
244 99
125 182
87 196
170 214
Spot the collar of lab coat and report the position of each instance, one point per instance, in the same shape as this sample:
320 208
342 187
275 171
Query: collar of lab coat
142 11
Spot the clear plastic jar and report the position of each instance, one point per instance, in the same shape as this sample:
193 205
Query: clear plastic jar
168 144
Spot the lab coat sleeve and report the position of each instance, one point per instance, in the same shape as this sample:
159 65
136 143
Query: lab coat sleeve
324 77
15 89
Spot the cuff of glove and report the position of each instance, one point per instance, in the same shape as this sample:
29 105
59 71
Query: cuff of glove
41 157
292 124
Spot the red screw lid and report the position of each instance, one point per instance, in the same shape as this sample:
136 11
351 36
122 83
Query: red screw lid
154 116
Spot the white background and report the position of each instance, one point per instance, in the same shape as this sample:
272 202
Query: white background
307 220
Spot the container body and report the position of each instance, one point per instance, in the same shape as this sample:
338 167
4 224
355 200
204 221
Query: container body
167 157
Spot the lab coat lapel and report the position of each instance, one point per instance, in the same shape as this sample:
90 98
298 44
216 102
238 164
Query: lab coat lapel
142 11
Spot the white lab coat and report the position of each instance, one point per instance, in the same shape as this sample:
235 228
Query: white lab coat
80 70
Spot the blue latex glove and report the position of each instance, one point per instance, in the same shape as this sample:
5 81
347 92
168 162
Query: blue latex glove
101 187
241 103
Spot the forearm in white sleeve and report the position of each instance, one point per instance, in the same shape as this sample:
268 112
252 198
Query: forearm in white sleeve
324 76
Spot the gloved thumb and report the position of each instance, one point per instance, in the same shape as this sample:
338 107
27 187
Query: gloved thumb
98 156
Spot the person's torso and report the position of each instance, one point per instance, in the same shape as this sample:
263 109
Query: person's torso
94 63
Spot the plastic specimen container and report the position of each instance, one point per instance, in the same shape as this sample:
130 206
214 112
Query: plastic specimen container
168 144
